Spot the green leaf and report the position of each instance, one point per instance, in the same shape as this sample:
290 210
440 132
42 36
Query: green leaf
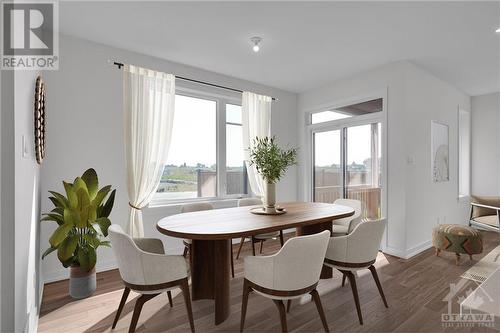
60 234
67 248
87 258
106 243
72 217
60 199
101 195
71 194
92 240
58 210
105 210
91 180
53 217
104 224
48 251
80 184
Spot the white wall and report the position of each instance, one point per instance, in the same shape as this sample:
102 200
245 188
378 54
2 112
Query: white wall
27 206
414 98
85 129
486 144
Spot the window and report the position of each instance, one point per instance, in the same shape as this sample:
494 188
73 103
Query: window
349 111
463 153
201 163
236 177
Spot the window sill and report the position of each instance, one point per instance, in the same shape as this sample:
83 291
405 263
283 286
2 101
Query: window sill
223 202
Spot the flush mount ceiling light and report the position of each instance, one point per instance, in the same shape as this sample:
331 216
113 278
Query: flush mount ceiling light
497 31
256 41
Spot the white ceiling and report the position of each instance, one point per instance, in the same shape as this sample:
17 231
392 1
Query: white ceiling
306 45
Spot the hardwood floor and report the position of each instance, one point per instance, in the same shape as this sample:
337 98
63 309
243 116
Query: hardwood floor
414 289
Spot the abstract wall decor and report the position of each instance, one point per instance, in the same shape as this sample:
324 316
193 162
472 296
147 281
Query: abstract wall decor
440 159
39 120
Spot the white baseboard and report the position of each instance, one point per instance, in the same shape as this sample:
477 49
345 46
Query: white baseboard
418 249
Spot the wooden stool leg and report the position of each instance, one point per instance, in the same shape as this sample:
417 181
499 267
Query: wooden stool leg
470 257
288 305
169 294
457 259
126 291
187 300
239 248
282 311
317 300
437 252
137 310
244 302
379 286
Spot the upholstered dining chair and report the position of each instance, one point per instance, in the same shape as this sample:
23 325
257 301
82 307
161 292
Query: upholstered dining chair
261 238
196 207
292 272
145 269
344 226
355 251
193 207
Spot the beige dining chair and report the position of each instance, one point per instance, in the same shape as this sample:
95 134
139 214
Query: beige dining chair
193 207
145 269
261 238
196 207
356 251
344 226
292 272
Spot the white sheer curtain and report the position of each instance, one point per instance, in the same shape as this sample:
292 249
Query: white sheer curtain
149 98
256 121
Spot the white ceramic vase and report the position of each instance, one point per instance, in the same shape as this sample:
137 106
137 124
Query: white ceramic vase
270 198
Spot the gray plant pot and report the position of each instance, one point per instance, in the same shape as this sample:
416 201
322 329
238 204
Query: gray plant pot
82 284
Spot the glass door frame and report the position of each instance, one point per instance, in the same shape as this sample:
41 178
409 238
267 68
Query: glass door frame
378 117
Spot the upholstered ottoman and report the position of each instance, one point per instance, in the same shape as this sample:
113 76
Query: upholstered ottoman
457 238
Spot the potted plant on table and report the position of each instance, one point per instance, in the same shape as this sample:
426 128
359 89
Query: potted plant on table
82 219
271 163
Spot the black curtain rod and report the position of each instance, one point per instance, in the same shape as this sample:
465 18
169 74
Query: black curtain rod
120 65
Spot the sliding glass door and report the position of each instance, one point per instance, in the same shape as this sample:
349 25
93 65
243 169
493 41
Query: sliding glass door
347 164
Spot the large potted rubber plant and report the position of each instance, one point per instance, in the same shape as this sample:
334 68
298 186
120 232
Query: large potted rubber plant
82 216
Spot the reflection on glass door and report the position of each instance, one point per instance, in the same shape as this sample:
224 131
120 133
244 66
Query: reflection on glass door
363 167
347 164
328 170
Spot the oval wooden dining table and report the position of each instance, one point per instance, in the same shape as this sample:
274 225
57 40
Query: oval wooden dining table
212 231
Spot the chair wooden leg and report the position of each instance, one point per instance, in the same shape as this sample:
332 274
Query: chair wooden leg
239 248
244 302
352 281
288 305
253 246
281 238
187 299
343 279
457 259
379 286
137 310
282 311
169 294
261 244
232 260
126 291
317 300
437 252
